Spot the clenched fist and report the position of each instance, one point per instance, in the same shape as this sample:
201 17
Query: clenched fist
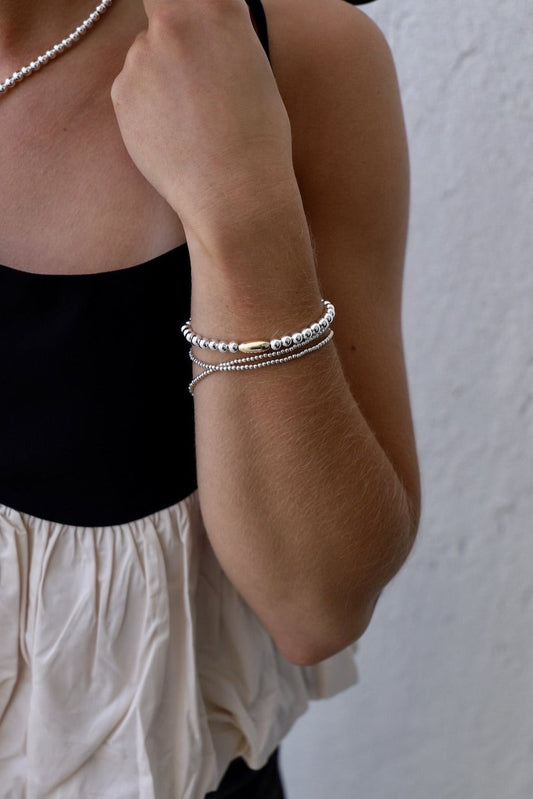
200 112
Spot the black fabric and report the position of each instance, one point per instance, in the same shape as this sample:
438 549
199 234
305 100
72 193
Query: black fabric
241 782
96 422
258 16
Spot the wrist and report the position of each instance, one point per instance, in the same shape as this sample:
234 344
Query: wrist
257 276
253 218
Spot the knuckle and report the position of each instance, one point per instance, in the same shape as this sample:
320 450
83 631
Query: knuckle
138 55
136 60
177 18
169 18
228 8
117 89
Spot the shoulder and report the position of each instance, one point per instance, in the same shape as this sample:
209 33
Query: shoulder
318 25
326 47
337 78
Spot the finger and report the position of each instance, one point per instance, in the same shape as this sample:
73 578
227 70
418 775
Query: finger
151 5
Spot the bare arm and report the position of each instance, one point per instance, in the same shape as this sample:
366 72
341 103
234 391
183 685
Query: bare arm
289 190
308 474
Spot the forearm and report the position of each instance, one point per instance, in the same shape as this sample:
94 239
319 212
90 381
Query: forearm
303 502
302 506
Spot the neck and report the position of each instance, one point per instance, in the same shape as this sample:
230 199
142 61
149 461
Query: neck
26 23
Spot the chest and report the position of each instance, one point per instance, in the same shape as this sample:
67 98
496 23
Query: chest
71 200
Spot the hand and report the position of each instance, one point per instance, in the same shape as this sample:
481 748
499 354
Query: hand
200 112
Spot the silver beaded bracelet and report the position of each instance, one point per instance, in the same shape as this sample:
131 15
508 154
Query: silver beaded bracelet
297 350
274 345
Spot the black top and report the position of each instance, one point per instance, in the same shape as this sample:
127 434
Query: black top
96 421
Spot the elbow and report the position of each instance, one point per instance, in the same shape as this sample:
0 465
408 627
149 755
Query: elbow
335 618
310 647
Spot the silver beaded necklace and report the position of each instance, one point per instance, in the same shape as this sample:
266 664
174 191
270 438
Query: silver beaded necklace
57 50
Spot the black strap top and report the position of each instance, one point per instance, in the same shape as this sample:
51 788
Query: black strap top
96 421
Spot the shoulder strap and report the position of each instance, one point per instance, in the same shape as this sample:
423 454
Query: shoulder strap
257 14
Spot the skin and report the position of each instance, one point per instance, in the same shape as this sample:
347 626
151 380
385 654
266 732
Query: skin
289 183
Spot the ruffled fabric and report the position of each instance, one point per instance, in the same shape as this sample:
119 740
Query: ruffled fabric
130 667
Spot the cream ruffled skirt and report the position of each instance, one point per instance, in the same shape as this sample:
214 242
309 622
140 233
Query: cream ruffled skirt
130 668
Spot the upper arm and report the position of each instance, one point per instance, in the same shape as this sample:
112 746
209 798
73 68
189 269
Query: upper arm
338 82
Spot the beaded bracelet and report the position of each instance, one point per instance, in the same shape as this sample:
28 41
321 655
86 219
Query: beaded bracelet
256 361
274 345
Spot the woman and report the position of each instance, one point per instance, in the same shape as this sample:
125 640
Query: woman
182 571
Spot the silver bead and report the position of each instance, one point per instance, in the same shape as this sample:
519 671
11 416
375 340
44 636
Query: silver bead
286 341
204 343
213 345
195 340
233 346
57 49
307 333
222 346
297 338
329 318
323 324
315 327
276 344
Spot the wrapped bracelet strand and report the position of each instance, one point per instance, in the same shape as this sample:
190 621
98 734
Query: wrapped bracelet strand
309 333
256 361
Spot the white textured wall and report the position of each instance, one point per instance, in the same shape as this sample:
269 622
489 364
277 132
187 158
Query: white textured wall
444 706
